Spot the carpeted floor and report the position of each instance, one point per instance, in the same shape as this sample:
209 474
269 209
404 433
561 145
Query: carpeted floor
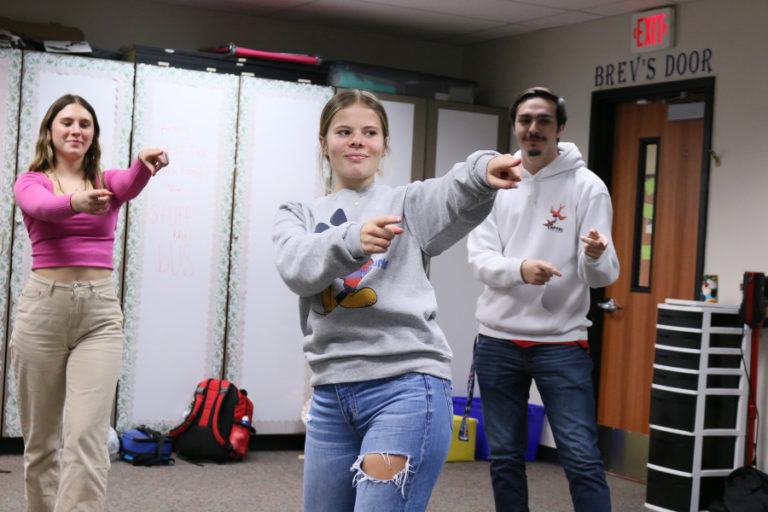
270 481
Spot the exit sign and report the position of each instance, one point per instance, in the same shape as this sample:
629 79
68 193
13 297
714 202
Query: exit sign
653 30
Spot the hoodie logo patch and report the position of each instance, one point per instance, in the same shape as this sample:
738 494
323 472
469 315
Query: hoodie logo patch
557 215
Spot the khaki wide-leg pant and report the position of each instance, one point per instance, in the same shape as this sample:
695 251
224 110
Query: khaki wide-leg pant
66 349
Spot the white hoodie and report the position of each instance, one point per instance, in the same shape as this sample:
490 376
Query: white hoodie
543 219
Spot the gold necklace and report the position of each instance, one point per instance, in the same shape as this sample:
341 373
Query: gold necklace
61 189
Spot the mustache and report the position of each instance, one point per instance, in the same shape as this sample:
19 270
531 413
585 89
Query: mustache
535 137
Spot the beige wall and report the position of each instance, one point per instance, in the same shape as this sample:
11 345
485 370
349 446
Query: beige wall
110 24
565 59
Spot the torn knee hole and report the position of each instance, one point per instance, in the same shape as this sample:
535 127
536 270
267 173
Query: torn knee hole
383 466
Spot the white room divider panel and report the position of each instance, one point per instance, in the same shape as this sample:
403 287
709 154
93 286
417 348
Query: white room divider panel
10 88
396 167
278 160
459 133
108 86
177 251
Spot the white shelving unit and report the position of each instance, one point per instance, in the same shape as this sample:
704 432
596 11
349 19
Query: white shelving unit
699 400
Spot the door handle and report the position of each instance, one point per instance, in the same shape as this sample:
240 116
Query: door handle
609 305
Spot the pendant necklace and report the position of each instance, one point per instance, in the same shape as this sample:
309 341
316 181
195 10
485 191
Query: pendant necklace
61 189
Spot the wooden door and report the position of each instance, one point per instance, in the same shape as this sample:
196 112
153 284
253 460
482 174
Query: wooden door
656 235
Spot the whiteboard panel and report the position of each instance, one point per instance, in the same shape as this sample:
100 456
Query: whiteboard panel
396 166
278 160
177 243
459 133
10 88
108 87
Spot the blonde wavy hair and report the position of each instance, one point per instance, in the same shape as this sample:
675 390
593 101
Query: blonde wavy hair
45 153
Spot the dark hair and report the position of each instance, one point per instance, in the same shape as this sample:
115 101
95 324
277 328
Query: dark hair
45 154
541 92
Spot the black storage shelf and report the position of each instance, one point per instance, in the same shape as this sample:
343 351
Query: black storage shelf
676 451
675 379
698 404
678 410
671 492
668 356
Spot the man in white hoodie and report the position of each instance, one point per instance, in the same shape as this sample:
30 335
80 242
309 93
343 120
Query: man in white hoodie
538 252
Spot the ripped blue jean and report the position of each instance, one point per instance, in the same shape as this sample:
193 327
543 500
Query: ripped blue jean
409 415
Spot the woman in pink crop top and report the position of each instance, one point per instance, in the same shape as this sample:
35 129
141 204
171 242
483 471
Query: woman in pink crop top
67 342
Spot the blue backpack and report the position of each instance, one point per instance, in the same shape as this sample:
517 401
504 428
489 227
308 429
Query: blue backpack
143 446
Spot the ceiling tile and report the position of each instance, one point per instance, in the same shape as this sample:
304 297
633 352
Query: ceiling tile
451 21
392 19
568 18
497 10
571 5
487 35
250 7
626 6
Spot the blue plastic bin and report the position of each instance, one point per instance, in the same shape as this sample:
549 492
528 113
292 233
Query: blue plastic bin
475 411
535 421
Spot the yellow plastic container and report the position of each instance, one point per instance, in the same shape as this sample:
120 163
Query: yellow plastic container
463 450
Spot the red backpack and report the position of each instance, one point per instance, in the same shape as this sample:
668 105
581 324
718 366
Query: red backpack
218 425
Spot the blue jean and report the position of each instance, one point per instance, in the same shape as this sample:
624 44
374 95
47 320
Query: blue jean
409 415
563 375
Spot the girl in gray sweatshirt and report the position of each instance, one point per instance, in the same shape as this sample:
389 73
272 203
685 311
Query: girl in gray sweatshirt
357 258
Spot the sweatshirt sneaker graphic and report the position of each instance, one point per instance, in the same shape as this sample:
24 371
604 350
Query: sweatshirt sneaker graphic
344 292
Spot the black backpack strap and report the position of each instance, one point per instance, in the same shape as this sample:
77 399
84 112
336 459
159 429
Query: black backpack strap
464 429
153 435
148 459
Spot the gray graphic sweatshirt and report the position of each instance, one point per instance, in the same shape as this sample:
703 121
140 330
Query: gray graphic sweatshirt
367 317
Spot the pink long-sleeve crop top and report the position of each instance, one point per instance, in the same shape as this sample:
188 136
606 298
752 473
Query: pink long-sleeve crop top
62 237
